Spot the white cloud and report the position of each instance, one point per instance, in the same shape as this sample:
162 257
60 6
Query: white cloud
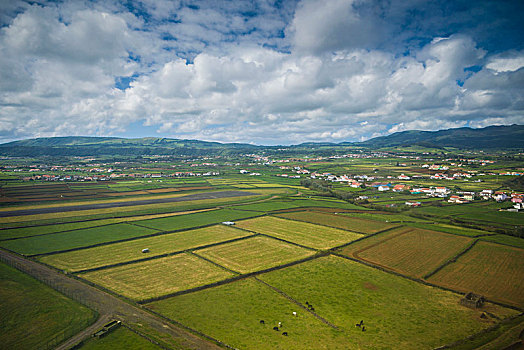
58 73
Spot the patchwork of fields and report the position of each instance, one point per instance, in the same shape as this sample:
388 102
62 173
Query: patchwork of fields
282 254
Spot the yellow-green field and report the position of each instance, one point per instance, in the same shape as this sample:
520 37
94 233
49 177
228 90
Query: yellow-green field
158 277
252 254
338 221
132 250
309 235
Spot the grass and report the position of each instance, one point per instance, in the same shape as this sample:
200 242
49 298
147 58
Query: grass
154 278
267 206
398 313
394 218
121 338
131 250
505 239
75 239
493 270
310 235
254 254
464 231
414 252
194 220
232 313
32 314
338 221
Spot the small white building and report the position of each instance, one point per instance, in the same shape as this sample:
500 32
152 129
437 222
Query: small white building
228 223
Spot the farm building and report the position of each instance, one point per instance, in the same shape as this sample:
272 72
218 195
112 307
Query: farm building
472 300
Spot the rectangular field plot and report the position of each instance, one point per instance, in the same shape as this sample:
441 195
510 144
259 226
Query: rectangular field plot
254 254
489 269
154 278
195 220
408 250
398 313
232 313
267 206
338 221
75 239
309 235
132 250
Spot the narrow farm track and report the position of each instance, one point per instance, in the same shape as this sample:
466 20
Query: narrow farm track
106 305
191 197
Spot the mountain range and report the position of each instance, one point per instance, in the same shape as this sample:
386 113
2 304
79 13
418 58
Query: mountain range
491 137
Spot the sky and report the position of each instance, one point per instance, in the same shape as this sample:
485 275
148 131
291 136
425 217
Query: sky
271 72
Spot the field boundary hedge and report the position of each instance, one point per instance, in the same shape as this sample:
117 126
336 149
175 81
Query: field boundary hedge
452 259
231 279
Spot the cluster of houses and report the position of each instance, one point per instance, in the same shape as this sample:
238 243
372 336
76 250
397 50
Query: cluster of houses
113 176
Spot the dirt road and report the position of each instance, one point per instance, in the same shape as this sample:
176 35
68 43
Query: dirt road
108 306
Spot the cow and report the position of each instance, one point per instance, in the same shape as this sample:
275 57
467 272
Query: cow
363 328
275 328
262 322
294 313
284 333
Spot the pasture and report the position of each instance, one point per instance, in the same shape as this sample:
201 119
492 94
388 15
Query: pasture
232 313
132 250
75 239
253 254
338 221
303 233
32 314
195 220
489 269
411 251
398 313
154 278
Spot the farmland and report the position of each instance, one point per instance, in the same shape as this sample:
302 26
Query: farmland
342 292
355 253
254 254
338 221
306 234
154 278
410 251
489 269
131 250
32 314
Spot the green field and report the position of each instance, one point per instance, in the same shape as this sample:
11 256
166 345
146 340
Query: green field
309 235
398 313
154 278
338 221
195 220
252 254
132 250
232 313
32 314
121 338
75 239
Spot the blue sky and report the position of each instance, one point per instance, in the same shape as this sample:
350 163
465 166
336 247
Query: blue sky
263 72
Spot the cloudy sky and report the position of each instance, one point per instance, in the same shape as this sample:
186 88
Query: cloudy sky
261 71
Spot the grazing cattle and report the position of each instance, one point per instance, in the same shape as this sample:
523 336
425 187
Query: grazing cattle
262 322
284 333
307 303
363 328
357 325
312 308
294 313
361 322
280 324
275 328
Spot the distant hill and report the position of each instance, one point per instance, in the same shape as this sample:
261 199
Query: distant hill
492 137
